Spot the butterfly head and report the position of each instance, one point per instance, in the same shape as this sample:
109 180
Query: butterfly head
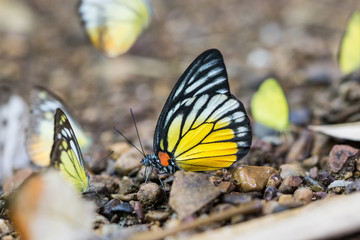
161 162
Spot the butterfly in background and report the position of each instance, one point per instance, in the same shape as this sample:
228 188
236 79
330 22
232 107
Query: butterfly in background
202 126
39 137
14 119
349 52
269 106
114 25
66 154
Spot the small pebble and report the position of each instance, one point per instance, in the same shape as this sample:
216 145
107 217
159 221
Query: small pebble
319 195
98 187
325 178
122 208
274 181
150 194
237 198
115 206
311 162
313 172
313 184
252 178
301 148
216 180
5 226
271 193
119 148
300 116
125 198
127 162
138 209
303 195
287 170
156 216
338 186
224 187
190 192
290 184
353 187
221 207
127 185
339 155
269 207
286 199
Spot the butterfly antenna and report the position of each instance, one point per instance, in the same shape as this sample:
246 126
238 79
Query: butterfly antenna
137 132
128 141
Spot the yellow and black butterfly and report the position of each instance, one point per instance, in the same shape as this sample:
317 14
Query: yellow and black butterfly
202 126
114 25
66 154
39 137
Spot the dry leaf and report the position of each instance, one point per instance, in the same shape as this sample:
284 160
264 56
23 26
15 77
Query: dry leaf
349 131
318 220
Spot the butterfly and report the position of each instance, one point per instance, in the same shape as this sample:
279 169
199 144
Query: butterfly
40 132
66 154
114 25
269 106
349 52
202 126
13 123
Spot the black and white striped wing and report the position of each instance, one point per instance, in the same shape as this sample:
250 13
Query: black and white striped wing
205 75
202 126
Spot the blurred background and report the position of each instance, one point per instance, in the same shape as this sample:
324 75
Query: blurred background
43 43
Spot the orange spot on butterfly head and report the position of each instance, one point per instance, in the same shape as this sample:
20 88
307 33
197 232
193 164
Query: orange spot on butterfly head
164 158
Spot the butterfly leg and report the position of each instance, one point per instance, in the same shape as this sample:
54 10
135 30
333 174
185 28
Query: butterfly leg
163 187
148 173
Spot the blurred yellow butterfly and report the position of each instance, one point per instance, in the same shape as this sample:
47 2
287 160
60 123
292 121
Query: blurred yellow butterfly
66 154
114 25
202 126
349 52
39 137
269 106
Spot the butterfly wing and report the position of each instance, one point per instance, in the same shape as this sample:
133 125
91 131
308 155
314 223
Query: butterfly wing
66 154
349 54
202 126
269 106
114 25
40 132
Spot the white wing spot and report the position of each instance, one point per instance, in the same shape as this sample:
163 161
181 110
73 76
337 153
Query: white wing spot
222 91
217 81
242 129
68 132
73 147
171 112
203 79
243 144
230 105
64 132
180 88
